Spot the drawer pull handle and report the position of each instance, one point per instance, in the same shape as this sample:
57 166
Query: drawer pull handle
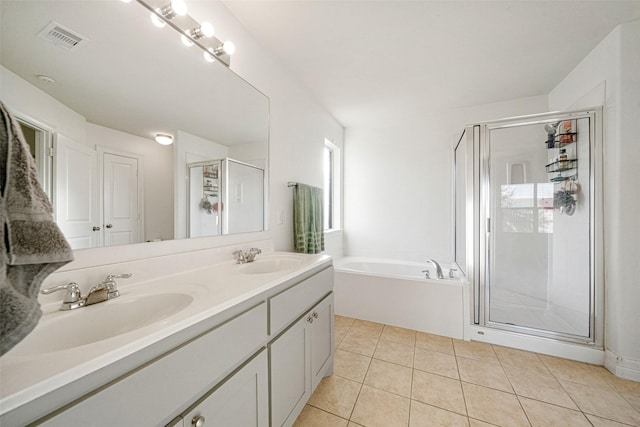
197 421
310 319
315 314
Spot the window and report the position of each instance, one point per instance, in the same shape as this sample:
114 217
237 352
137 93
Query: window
527 208
331 186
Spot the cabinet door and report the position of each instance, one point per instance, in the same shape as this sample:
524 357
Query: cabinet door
241 401
321 339
290 388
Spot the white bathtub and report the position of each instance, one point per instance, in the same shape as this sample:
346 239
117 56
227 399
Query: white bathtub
397 293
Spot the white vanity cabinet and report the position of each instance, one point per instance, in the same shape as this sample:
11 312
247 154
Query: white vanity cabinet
240 401
152 395
300 357
253 364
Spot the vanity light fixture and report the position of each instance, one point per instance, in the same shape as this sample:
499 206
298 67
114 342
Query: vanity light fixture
168 12
164 139
227 47
209 55
191 31
204 30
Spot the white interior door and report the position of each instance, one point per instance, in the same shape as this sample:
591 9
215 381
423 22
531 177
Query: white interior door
76 200
121 216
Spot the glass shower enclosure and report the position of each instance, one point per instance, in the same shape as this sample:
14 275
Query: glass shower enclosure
224 196
527 233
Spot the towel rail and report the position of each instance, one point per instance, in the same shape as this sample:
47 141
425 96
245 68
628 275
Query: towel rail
292 184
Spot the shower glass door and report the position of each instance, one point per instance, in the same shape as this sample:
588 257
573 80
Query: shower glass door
537 207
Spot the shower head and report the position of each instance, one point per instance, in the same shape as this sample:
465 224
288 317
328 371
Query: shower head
551 128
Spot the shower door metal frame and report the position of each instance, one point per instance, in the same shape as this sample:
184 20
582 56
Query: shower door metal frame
478 244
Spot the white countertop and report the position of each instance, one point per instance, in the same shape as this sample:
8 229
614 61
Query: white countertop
218 288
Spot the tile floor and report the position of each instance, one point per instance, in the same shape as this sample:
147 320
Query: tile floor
387 376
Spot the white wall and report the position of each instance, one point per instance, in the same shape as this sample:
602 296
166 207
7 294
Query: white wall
398 181
610 75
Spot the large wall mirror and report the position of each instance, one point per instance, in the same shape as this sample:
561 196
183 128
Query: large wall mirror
97 105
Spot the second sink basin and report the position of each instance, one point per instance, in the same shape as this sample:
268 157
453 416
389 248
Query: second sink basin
270 265
64 330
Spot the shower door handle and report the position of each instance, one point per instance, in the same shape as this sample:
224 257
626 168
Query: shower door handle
488 225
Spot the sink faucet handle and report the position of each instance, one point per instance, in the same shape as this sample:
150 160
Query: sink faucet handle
72 288
255 250
119 276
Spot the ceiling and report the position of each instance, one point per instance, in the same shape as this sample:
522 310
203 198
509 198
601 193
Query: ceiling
369 61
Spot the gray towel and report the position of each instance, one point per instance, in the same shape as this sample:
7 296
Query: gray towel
32 244
308 220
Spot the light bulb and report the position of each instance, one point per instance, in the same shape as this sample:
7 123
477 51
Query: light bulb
186 41
157 21
209 56
179 7
207 29
229 48
164 139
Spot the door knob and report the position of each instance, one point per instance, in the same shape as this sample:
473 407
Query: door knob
109 225
96 228
197 421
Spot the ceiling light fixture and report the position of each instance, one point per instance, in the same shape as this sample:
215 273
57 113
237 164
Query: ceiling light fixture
227 47
164 139
173 9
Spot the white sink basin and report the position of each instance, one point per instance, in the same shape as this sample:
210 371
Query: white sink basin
271 265
82 326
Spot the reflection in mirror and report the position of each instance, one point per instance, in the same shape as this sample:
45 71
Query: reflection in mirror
224 195
98 106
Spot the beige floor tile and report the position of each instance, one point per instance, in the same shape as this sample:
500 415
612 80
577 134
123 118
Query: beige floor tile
478 423
389 377
625 386
314 417
545 415
484 374
336 395
399 335
364 327
632 398
343 321
338 335
436 363
377 408
433 342
436 390
520 359
538 386
427 415
577 372
603 422
602 402
352 424
475 350
360 344
493 406
395 353
350 365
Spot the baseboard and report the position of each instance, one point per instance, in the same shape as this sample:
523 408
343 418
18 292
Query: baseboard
629 369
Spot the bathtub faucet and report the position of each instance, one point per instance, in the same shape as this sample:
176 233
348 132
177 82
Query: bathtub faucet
438 268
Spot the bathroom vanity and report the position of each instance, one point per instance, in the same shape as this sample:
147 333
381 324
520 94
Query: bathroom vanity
237 345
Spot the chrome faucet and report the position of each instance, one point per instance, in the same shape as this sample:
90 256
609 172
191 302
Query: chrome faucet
438 268
103 291
243 257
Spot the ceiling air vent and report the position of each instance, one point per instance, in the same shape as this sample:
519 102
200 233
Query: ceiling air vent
61 36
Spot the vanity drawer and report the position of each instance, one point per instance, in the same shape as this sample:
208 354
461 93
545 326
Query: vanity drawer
289 304
154 394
